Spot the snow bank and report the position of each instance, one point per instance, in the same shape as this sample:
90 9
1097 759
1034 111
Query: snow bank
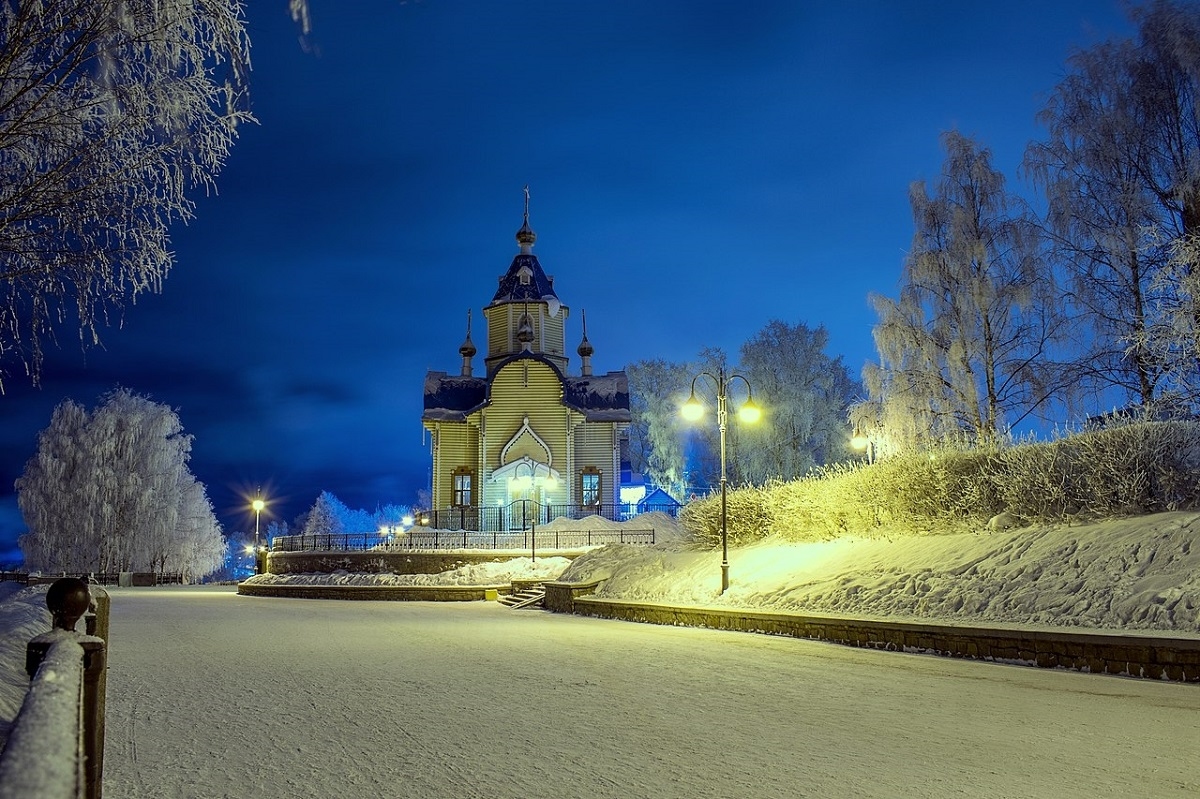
1137 573
23 616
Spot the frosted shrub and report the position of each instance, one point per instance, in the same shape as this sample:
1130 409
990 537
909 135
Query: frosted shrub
747 517
1143 467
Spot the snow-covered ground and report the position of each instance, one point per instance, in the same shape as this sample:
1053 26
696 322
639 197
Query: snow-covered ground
216 695
213 694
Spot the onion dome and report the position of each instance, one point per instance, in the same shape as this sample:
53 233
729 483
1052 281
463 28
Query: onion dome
467 350
525 236
585 347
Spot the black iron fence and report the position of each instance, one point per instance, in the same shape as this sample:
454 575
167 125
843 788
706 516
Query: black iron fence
433 539
97 578
521 524
521 514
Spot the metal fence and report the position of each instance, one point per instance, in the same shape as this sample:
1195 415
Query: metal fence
433 539
519 525
522 514
97 578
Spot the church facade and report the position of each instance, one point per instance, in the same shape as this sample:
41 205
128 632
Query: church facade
526 436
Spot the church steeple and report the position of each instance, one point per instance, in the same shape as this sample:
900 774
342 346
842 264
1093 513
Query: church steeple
525 314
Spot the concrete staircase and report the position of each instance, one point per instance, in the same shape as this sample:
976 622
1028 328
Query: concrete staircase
525 596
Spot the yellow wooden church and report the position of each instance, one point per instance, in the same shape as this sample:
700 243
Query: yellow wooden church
526 436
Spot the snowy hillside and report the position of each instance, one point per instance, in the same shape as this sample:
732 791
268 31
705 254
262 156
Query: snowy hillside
1139 573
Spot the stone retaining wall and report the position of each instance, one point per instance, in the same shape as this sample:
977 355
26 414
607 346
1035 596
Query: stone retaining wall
393 593
380 562
1149 656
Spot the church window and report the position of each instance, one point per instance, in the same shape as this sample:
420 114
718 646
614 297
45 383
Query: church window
463 485
589 486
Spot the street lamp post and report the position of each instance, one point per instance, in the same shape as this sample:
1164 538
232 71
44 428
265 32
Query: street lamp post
258 506
749 412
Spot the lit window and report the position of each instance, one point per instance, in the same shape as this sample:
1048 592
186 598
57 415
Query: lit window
463 479
589 486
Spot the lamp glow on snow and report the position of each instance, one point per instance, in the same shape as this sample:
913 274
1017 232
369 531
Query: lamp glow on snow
749 413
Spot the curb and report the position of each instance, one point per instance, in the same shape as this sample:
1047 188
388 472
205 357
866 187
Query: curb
1143 656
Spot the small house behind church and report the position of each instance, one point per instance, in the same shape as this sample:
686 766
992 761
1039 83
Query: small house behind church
526 440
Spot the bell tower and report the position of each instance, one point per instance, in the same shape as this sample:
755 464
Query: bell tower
525 315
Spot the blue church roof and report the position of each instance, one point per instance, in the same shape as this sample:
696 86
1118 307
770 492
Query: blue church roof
600 398
539 288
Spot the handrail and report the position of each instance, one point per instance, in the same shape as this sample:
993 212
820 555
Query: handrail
43 757
55 749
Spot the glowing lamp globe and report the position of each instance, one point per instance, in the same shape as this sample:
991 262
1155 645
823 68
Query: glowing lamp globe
750 412
692 410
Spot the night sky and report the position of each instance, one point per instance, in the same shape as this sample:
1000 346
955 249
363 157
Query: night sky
696 169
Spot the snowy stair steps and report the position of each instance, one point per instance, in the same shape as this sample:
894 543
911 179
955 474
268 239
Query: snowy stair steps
528 597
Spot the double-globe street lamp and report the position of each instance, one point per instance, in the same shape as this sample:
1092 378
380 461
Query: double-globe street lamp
693 410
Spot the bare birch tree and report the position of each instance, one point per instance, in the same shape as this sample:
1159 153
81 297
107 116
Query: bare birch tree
111 111
964 350
110 490
1121 172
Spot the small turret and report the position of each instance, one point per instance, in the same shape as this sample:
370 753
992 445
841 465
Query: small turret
585 350
467 350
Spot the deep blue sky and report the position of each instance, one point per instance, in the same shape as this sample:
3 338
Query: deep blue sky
696 168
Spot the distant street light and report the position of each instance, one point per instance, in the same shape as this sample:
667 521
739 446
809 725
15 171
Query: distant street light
862 442
750 413
258 506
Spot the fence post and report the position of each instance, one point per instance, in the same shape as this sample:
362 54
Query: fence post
68 599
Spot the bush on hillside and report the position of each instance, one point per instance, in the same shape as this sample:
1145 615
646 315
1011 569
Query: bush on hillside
1136 468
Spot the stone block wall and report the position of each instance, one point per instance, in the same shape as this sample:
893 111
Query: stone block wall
1140 655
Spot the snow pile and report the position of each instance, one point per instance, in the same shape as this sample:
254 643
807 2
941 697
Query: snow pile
23 616
1136 573
667 530
470 574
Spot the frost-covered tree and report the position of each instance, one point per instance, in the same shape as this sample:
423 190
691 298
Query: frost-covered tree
111 111
110 490
325 517
964 349
1121 172
804 394
657 389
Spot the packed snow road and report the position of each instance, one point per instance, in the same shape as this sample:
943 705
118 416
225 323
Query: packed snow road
215 695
